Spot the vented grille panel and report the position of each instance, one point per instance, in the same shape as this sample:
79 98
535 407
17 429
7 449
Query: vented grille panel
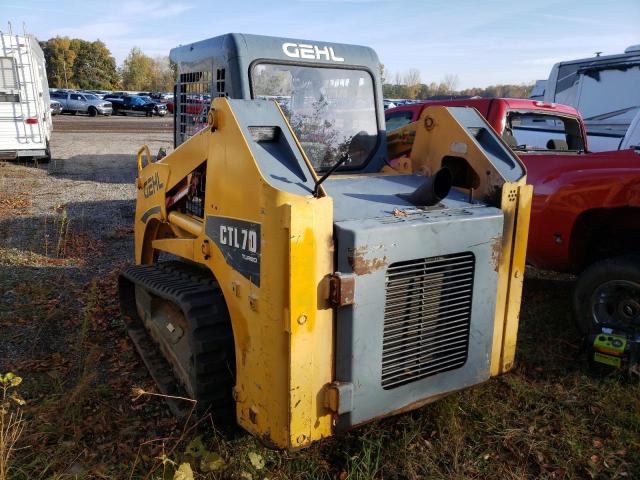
427 317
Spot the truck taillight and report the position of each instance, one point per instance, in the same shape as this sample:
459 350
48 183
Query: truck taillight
538 103
31 121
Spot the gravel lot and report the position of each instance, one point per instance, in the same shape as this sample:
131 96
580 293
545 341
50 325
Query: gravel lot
90 179
66 229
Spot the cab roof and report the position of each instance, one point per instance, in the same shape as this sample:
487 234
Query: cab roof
254 47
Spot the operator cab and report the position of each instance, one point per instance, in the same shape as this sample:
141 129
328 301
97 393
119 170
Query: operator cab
329 92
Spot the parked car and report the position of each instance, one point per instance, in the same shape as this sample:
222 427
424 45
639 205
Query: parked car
132 105
75 102
194 105
56 107
389 104
159 108
585 216
161 96
97 93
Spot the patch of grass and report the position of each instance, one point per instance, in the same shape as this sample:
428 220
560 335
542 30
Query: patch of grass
12 203
14 257
11 421
548 419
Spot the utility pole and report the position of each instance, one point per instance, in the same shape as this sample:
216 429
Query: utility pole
66 85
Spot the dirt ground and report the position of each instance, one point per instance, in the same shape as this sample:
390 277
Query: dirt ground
66 230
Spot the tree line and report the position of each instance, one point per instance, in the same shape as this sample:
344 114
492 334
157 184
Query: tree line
409 85
80 64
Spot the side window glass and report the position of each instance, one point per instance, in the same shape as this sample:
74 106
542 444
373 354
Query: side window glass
539 132
398 119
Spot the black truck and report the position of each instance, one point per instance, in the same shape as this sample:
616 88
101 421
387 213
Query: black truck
131 105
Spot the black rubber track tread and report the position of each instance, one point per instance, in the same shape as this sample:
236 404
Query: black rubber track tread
196 293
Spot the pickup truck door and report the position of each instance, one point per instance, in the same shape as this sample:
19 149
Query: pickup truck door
75 102
126 105
63 98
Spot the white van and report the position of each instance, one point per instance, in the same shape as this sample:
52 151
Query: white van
604 89
25 116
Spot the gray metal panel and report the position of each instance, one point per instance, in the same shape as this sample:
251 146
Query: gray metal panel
366 248
373 196
502 158
207 55
280 162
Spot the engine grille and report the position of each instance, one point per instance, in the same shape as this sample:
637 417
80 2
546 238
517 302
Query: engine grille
427 317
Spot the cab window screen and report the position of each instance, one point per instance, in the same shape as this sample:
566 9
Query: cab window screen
328 108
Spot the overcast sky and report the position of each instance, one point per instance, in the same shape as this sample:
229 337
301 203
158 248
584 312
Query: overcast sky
483 42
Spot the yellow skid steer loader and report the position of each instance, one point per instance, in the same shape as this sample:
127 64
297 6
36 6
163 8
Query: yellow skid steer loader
287 277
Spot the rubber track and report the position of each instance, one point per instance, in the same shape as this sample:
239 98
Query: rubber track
197 294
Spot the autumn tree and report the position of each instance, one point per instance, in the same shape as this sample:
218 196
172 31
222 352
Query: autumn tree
137 70
412 83
76 63
141 72
163 75
450 83
409 86
59 57
94 68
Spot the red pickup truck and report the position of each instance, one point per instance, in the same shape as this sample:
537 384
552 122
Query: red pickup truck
585 217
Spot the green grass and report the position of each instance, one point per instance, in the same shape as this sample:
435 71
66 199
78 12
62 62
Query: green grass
549 418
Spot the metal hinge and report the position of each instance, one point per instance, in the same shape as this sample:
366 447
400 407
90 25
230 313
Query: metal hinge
341 289
338 397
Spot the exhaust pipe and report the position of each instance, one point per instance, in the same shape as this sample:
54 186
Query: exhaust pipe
433 189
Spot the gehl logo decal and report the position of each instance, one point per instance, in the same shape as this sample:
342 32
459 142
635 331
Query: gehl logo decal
152 185
310 52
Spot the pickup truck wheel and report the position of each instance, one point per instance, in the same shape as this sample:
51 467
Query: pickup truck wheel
74 112
607 294
93 111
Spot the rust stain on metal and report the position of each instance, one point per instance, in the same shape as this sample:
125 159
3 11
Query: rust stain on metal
362 265
496 252
341 289
429 123
399 213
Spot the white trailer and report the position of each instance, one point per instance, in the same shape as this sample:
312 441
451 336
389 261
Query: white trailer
604 89
25 115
